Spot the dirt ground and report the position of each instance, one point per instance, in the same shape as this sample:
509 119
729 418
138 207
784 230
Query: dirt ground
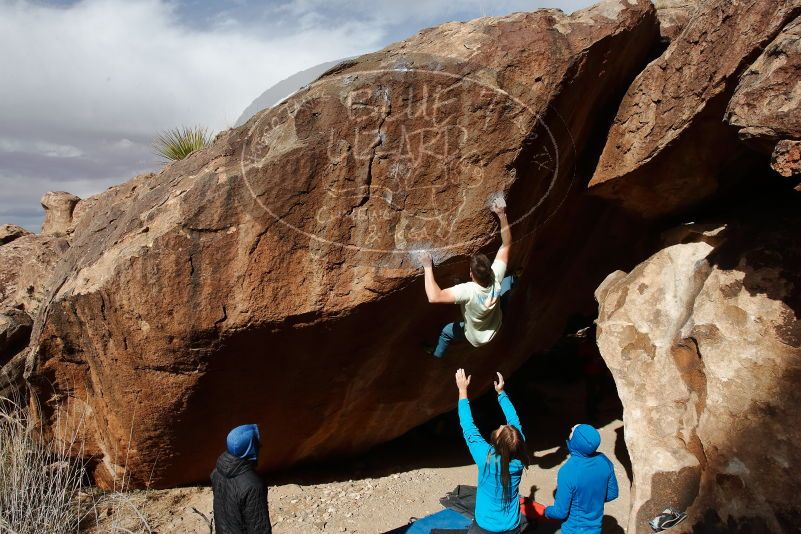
405 479
365 505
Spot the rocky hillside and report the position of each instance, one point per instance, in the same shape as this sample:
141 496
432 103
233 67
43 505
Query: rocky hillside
271 277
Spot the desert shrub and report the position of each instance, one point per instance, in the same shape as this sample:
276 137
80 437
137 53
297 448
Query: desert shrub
178 143
43 489
39 484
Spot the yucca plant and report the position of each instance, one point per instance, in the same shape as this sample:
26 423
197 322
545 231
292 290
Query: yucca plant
178 143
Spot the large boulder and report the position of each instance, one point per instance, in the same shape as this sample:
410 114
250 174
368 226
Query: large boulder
786 158
25 267
26 264
674 16
704 342
269 279
10 232
86 207
58 206
767 102
669 149
15 331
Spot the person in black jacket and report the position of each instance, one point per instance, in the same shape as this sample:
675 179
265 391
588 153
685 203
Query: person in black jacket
240 497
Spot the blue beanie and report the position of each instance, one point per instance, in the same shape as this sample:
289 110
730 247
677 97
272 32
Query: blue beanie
585 440
243 442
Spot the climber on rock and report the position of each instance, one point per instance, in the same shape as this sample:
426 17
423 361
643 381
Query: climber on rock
240 498
481 300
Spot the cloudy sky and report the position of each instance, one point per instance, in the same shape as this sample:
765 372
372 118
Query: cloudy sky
87 84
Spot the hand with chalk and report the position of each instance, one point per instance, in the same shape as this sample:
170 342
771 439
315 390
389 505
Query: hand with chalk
426 259
498 204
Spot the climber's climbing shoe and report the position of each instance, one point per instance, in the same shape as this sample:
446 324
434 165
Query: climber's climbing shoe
429 350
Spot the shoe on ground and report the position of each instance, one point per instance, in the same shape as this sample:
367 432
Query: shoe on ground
667 519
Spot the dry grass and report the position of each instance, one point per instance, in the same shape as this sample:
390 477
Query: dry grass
44 489
39 484
116 512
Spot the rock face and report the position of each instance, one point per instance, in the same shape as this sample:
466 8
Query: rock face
668 148
15 330
25 267
767 102
58 208
704 342
268 278
786 158
674 15
271 279
704 338
10 232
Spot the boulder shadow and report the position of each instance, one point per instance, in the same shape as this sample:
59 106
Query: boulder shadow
622 453
611 526
551 459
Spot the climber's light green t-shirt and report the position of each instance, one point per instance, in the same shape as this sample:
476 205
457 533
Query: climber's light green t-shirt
481 307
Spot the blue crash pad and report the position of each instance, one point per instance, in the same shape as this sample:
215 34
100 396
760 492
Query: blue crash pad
443 519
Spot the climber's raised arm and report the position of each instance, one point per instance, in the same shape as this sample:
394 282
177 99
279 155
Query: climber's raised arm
499 208
475 442
435 294
506 405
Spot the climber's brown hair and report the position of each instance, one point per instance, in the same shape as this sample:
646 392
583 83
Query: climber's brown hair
509 445
481 269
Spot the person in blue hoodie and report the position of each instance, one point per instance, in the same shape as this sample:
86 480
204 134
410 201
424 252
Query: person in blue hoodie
240 497
500 462
583 484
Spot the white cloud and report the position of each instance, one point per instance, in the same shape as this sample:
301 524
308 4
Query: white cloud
50 150
86 86
132 67
427 12
92 83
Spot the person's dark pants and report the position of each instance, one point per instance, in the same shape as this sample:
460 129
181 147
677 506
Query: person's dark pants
537 522
455 331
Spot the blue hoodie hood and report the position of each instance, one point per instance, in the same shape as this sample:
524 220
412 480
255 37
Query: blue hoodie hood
243 442
584 483
585 441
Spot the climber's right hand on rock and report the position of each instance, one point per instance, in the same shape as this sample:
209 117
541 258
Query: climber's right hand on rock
426 259
498 206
